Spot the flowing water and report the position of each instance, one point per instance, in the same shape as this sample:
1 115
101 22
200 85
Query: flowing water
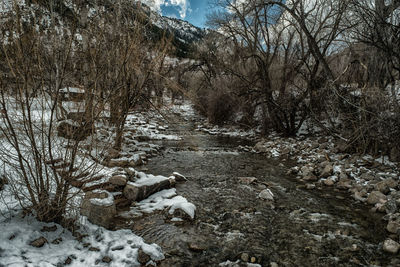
301 227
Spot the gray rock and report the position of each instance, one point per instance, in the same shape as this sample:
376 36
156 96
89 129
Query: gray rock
245 257
131 192
382 187
247 180
266 194
310 177
344 184
179 177
329 182
393 226
359 196
98 212
143 258
391 246
119 180
391 206
327 171
376 197
307 170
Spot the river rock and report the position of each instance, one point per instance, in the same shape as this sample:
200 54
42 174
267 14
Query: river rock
131 192
266 194
376 197
247 180
99 207
391 246
119 180
179 177
329 182
359 196
391 206
261 147
385 186
306 170
327 171
393 226
344 184
244 257
310 177
143 258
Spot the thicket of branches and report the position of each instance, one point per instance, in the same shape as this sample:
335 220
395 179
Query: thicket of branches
332 63
46 46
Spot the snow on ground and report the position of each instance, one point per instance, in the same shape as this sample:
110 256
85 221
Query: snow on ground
97 245
17 232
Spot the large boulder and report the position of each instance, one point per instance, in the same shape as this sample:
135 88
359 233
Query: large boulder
99 207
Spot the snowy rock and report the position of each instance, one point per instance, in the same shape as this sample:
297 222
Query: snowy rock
179 177
266 194
99 207
39 242
376 197
391 246
182 209
119 180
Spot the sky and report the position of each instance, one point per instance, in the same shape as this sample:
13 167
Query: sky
193 11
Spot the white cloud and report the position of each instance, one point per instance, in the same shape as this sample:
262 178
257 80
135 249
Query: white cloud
182 5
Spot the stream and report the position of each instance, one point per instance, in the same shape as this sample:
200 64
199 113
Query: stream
318 227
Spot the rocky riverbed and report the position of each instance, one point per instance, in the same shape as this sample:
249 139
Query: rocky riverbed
255 203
